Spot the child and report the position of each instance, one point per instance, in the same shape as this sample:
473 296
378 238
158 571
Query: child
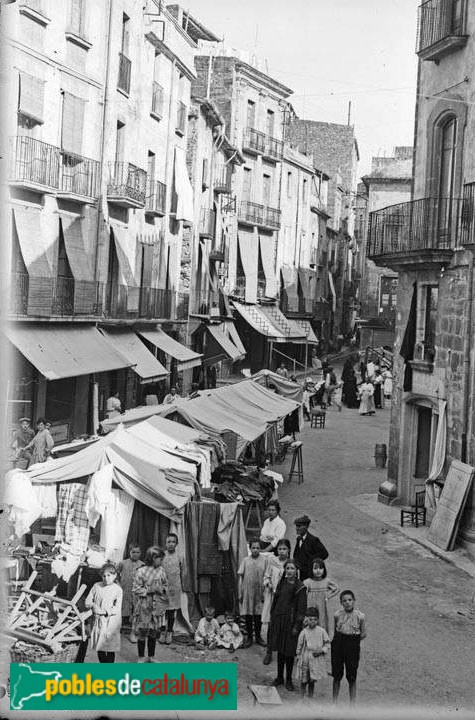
313 644
150 595
172 566
251 591
230 636
319 590
105 600
126 570
272 574
350 630
208 630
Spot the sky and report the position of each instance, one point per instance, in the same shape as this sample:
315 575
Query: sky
331 53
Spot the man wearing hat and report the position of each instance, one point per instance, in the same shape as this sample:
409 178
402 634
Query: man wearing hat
21 438
307 548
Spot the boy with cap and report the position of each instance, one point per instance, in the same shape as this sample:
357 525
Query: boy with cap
307 547
21 438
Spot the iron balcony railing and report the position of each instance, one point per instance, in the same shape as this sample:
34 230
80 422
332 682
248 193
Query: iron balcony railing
207 222
254 140
58 296
157 100
419 225
181 118
239 287
33 161
79 175
125 68
156 200
468 215
260 215
204 302
127 181
182 306
274 148
217 252
222 179
438 20
125 302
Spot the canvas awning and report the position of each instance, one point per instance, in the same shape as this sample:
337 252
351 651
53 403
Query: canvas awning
229 327
289 328
248 251
308 329
84 290
290 279
147 367
267 246
332 290
183 188
185 357
254 316
61 352
32 241
220 346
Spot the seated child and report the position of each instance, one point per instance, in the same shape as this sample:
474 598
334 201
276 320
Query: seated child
230 636
207 631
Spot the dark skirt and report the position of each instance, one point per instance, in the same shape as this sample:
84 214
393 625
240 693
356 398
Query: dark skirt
281 638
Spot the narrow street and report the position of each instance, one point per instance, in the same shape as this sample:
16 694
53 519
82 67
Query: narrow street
411 598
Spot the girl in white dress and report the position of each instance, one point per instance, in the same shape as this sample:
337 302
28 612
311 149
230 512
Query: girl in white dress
320 589
105 600
312 647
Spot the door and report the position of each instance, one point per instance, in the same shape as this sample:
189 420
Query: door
446 209
423 443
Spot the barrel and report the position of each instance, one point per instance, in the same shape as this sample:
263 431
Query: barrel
380 455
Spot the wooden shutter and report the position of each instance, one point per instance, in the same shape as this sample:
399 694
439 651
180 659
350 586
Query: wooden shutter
72 126
31 97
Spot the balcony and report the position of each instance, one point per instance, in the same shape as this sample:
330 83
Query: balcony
79 177
156 200
217 252
274 149
125 67
158 96
54 297
441 27
207 223
180 118
418 233
34 165
254 141
127 185
205 303
254 214
182 306
222 179
128 303
239 290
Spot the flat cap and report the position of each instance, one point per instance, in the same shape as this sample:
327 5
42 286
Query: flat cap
24 418
303 520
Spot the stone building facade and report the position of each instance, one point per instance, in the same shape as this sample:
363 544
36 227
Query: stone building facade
429 241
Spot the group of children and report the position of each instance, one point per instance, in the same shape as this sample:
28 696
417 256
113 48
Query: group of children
148 595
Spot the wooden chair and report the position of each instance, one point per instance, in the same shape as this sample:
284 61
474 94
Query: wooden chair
415 513
317 418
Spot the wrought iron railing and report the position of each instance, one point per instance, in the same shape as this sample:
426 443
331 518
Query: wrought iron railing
222 179
437 20
207 222
156 201
239 287
203 302
157 99
182 308
272 217
58 296
33 161
426 224
257 214
127 181
274 148
125 68
468 215
181 118
254 140
79 175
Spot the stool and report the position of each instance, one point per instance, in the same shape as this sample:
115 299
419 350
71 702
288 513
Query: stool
296 466
317 418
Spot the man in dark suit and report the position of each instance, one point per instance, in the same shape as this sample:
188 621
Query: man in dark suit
307 548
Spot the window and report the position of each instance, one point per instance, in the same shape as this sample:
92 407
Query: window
251 114
77 17
270 118
125 65
30 100
151 170
266 189
247 184
125 35
119 142
289 184
304 190
430 315
72 123
205 174
423 445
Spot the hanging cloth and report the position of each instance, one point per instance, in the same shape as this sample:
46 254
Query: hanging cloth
439 453
115 524
98 493
409 340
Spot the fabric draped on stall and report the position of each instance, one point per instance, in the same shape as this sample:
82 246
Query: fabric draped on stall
98 494
46 495
72 525
115 524
147 528
19 495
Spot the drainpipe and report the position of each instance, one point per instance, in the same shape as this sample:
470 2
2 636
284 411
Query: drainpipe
466 373
170 148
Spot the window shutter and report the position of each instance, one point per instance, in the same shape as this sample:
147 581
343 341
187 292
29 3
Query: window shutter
31 97
72 126
77 17
205 176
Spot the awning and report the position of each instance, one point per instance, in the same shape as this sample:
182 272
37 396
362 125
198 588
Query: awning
229 327
267 245
289 278
185 357
61 352
254 316
289 328
248 250
308 329
32 241
183 188
332 290
130 346
84 289
220 346
308 288
126 271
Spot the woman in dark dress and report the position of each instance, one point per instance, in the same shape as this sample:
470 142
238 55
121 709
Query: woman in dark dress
286 618
350 389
